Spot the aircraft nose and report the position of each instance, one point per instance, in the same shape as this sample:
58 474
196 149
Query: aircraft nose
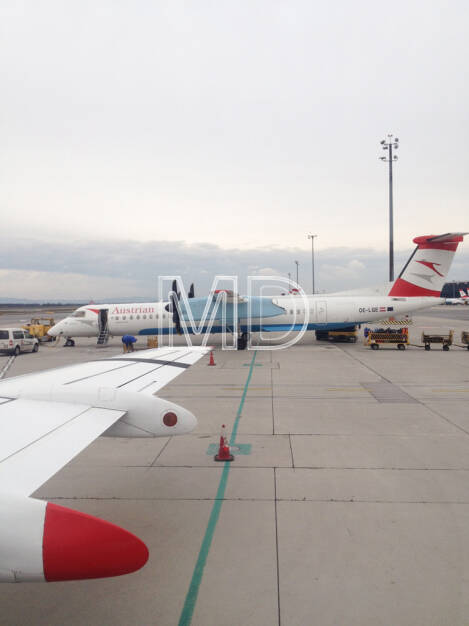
56 330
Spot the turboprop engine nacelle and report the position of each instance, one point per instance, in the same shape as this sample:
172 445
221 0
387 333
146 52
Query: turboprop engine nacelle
146 416
41 541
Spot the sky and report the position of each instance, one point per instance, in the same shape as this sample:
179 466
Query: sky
203 135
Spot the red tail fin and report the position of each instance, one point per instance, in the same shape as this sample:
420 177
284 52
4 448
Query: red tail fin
425 272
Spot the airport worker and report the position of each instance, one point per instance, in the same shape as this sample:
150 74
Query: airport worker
128 341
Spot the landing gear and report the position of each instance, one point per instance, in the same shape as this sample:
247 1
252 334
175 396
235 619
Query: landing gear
242 341
69 342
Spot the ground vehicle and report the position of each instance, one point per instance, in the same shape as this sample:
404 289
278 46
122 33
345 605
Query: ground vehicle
465 338
39 326
398 336
445 340
16 340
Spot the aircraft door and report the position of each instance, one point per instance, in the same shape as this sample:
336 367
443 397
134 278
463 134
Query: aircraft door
321 312
103 319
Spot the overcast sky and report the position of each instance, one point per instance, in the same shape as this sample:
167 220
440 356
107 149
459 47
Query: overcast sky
126 126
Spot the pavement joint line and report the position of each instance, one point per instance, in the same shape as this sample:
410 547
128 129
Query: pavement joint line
272 398
291 451
160 453
274 500
193 591
276 548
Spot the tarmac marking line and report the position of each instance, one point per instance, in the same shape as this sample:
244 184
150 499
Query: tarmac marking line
193 591
450 390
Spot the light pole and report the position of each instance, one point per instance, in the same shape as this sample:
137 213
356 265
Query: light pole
289 281
297 263
312 257
388 144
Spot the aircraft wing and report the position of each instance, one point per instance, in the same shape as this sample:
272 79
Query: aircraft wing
46 419
38 438
143 371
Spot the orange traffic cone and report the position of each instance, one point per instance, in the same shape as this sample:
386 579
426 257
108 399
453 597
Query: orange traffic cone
212 360
224 449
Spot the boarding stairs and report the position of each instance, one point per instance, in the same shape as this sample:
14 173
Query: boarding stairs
103 336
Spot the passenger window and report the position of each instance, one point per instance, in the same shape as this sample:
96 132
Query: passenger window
17 334
144 317
131 317
124 317
137 317
3 334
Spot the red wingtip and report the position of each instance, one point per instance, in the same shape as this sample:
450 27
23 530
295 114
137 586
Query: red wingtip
78 546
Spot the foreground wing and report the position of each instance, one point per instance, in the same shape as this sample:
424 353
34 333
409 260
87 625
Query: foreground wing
47 418
144 371
38 438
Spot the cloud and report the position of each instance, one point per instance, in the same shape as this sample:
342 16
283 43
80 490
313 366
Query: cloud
111 269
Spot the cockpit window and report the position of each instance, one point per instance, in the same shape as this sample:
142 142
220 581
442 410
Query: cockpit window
79 314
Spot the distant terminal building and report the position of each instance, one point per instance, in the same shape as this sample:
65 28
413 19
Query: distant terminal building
451 290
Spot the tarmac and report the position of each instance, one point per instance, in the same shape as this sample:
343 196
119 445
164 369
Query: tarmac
347 503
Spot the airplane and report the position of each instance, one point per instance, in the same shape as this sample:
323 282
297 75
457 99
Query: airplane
464 299
46 419
418 286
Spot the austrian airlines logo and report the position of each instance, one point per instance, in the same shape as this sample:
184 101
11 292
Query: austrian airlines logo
431 265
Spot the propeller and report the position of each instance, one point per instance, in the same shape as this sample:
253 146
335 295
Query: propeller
175 296
172 307
175 289
176 318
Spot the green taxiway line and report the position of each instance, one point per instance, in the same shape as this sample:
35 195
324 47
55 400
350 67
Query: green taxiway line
193 591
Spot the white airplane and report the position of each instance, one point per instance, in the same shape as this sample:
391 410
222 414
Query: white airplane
417 287
464 299
46 419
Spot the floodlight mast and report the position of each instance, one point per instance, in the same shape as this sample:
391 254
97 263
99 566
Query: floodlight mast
312 259
388 144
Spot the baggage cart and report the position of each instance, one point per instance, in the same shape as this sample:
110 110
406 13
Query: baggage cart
387 336
445 340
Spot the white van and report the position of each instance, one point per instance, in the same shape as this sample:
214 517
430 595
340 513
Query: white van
16 340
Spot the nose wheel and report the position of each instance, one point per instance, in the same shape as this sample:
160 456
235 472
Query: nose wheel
69 342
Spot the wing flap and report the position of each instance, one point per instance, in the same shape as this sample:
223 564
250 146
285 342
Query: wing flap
46 436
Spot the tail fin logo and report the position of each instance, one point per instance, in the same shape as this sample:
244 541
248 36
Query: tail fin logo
431 266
